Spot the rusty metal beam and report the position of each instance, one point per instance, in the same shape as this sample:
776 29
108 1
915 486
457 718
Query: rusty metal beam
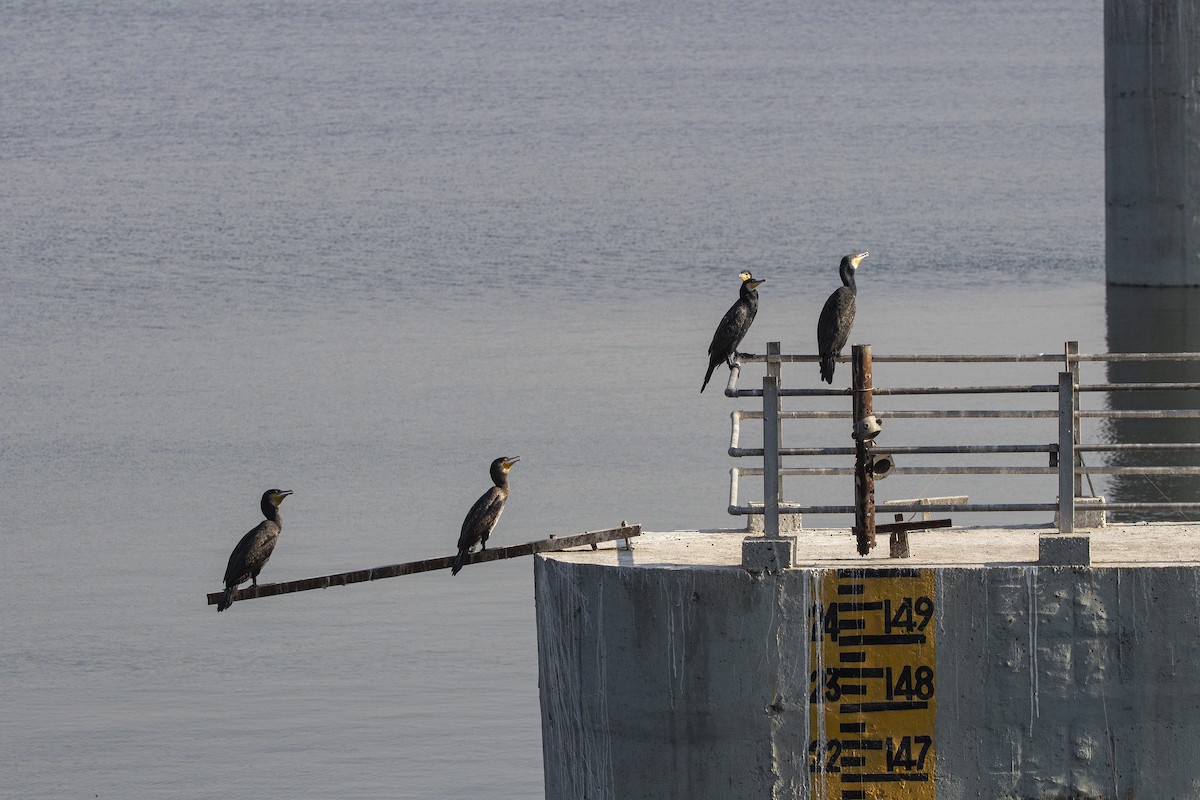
593 538
864 476
915 525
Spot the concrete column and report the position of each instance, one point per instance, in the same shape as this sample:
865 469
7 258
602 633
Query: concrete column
1152 142
685 682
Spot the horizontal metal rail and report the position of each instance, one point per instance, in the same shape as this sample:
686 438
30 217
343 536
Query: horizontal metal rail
914 508
1177 469
1136 387
1036 388
899 391
805 358
1172 413
799 472
1116 357
1136 446
999 413
973 358
949 449
969 449
1181 506
930 414
964 508
1019 388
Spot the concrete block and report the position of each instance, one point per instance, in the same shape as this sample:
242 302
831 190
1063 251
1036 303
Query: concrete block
1064 549
788 523
760 554
1087 517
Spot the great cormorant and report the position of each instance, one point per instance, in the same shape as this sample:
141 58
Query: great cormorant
837 317
484 515
733 326
252 552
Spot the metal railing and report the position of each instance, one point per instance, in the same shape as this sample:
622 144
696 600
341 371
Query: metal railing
1064 452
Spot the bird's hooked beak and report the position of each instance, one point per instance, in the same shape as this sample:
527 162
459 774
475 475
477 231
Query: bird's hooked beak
856 260
748 278
280 494
508 462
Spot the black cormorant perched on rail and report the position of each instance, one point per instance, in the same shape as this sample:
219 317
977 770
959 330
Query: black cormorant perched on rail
484 515
252 552
837 317
733 326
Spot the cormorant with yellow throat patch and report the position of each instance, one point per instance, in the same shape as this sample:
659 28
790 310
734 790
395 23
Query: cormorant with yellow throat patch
252 552
733 327
837 317
484 515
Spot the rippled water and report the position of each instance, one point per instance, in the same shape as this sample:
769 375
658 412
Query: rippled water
358 251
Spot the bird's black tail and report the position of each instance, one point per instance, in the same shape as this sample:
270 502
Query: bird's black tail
827 363
226 599
708 375
459 561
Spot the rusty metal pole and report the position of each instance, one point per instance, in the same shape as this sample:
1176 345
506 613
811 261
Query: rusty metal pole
864 476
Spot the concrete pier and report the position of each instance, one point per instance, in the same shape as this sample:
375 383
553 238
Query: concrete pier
1152 142
965 671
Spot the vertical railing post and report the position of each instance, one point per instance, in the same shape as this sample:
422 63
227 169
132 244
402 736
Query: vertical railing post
864 476
1066 452
771 433
772 551
1071 352
773 360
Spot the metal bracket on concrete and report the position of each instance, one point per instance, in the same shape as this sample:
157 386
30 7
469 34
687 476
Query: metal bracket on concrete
768 553
625 544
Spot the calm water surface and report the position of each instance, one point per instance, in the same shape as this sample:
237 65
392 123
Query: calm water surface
358 251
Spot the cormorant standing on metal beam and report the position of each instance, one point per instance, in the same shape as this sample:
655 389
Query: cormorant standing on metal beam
484 515
252 552
837 317
733 327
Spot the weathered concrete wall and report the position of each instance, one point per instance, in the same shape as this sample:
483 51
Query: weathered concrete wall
1069 682
1152 142
656 683
702 682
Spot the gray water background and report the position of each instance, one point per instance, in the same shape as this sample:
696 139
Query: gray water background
358 250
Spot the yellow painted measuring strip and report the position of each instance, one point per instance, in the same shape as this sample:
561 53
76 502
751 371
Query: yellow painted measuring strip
872 685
